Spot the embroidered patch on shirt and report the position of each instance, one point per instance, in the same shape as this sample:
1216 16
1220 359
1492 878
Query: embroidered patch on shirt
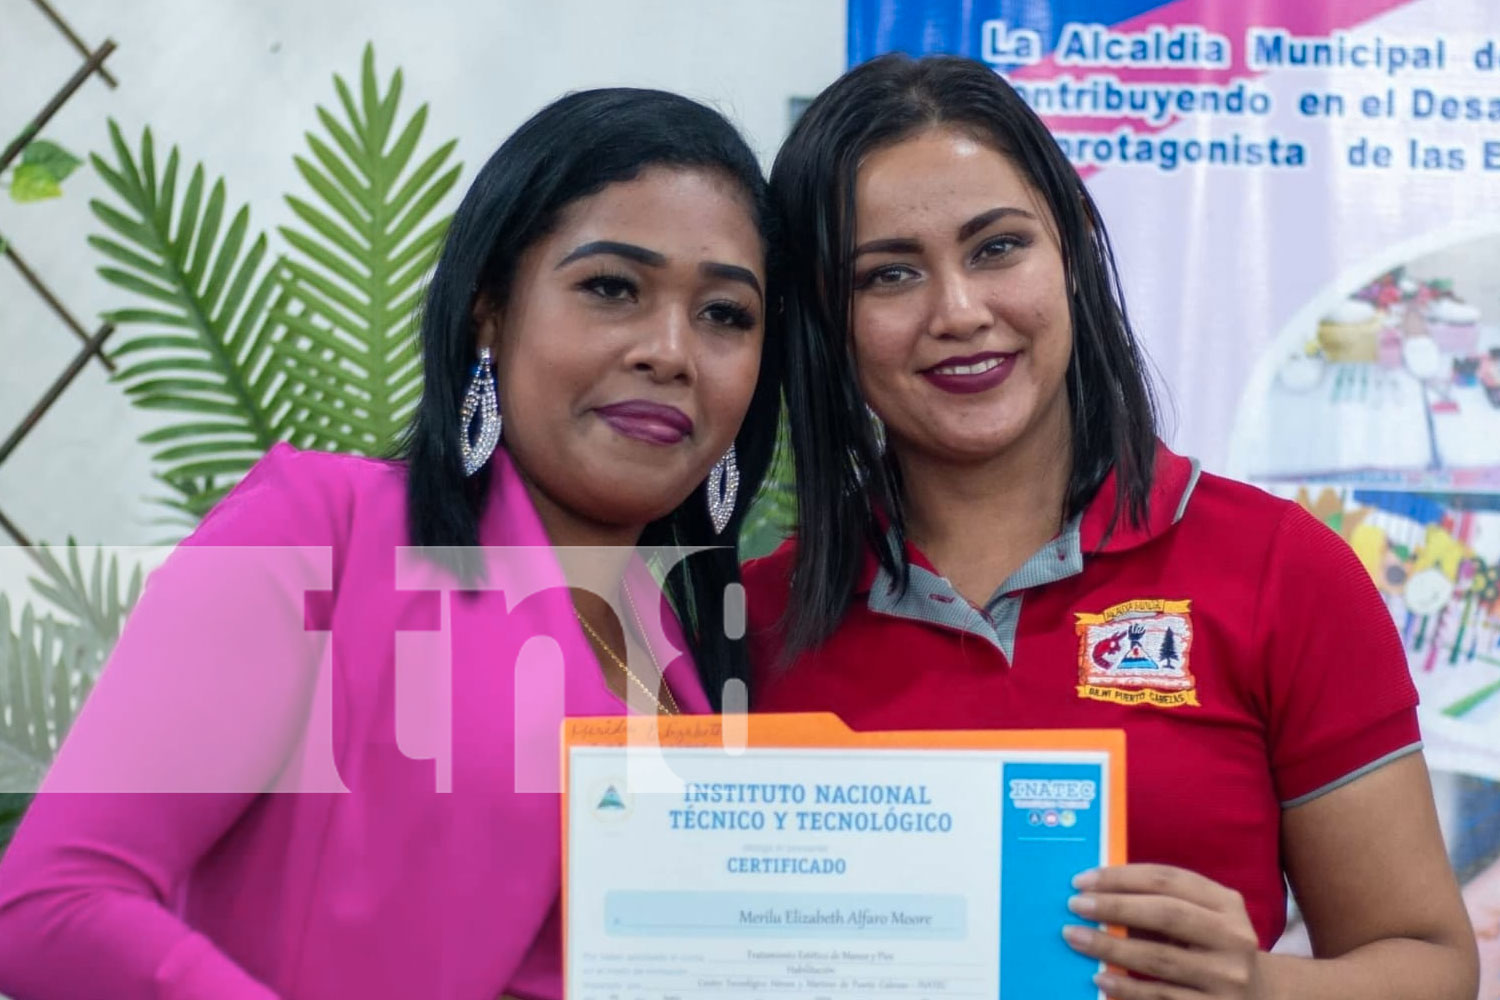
1137 652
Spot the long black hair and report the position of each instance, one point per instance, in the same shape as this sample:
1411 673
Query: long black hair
848 497
569 150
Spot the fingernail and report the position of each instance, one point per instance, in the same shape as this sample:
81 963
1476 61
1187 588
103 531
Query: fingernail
1077 936
1084 906
1106 981
1086 880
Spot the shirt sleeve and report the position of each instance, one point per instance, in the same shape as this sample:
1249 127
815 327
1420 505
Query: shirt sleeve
1339 697
196 712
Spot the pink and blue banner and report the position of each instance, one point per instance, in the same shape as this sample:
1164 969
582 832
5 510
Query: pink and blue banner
1305 202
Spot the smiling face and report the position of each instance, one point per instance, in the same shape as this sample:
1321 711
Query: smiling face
961 325
628 352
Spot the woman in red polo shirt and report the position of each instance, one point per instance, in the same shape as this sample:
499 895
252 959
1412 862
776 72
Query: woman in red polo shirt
1003 542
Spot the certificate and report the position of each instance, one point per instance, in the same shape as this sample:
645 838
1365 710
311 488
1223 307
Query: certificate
786 856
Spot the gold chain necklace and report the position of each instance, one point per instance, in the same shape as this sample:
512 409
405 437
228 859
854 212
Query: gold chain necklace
670 707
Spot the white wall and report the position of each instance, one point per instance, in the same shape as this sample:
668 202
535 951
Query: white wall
234 84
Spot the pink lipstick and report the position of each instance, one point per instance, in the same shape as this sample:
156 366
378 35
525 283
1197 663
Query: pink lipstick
647 421
974 373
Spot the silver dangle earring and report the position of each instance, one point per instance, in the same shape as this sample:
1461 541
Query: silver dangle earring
723 487
480 400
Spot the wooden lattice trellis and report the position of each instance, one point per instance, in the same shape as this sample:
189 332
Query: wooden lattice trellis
92 344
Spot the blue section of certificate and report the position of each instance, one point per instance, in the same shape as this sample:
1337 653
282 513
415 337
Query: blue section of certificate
1052 822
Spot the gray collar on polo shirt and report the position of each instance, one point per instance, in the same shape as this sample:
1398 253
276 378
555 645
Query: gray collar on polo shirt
930 598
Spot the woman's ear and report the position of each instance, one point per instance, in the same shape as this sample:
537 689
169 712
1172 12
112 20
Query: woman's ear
486 316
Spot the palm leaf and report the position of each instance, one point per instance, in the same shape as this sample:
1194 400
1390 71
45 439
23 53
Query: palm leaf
93 599
186 501
48 666
203 356
46 671
366 238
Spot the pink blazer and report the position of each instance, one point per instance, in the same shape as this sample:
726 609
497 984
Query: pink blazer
156 863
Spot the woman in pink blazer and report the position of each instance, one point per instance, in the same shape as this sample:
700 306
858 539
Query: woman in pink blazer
321 764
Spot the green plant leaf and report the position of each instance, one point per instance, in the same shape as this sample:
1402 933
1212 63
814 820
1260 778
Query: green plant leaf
178 432
90 597
163 342
207 235
352 186
190 499
133 282
188 404
204 344
57 161
239 348
43 680
773 511
140 235
366 234
48 666
170 363
201 449
31 182
129 258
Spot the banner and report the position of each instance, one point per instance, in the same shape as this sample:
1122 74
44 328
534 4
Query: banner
1305 203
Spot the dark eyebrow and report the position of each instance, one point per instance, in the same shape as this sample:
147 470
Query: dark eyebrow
629 251
651 258
979 222
906 244
731 272
899 244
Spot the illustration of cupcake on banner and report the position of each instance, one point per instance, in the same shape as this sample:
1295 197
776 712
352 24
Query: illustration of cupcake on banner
1395 384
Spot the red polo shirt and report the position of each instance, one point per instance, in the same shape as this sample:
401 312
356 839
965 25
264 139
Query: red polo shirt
1237 641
